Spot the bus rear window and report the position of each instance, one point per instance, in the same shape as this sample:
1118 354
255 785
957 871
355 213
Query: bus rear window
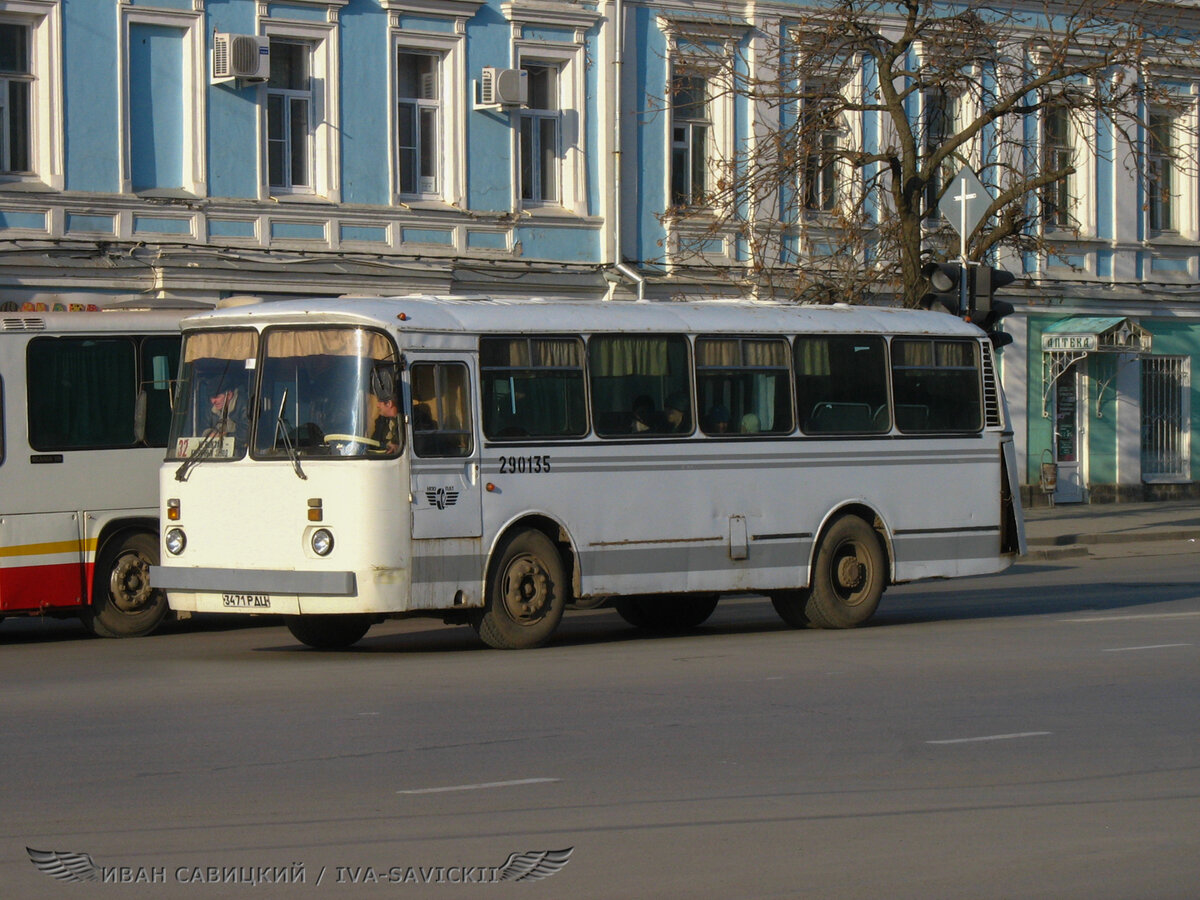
533 387
936 385
841 384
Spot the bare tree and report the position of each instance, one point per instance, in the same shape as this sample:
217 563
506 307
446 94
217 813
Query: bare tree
864 110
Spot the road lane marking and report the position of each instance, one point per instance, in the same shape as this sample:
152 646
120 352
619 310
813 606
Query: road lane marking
479 787
1146 647
1092 619
993 737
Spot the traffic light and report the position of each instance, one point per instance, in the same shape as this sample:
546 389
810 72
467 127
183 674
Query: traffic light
983 308
945 286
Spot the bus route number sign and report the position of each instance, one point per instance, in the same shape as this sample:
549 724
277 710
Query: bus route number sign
246 601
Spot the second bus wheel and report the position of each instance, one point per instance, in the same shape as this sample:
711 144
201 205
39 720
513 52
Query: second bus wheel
526 593
123 602
848 577
329 632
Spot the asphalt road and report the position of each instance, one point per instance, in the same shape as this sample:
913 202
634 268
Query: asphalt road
1035 734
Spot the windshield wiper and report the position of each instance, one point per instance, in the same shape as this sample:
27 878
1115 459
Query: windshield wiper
204 451
281 430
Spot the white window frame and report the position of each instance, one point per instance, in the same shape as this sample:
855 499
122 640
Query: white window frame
46 142
679 60
570 63
421 105
452 84
1185 183
324 164
1081 186
848 188
535 117
690 125
195 90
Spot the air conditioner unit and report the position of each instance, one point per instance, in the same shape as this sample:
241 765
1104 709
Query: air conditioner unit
242 56
503 87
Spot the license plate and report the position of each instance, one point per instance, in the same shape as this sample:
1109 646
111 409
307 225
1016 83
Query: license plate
246 601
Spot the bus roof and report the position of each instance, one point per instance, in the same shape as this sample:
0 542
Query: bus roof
119 322
459 315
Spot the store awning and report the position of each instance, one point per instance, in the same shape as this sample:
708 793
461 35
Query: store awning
1096 334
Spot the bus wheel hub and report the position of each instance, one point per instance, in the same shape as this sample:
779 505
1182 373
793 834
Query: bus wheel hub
851 573
130 583
526 589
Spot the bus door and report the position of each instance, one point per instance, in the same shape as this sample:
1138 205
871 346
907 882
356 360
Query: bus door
445 453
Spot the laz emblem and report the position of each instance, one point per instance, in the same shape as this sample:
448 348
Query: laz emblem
441 497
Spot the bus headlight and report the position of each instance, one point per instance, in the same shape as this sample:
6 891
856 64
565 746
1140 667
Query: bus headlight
322 542
176 540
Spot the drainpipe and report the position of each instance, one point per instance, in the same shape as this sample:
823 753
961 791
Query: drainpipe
618 68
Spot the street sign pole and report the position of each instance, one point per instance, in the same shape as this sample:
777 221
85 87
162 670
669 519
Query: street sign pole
964 211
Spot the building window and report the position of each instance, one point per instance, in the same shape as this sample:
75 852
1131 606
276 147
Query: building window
1057 155
820 137
418 111
16 82
1166 418
540 136
163 102
289 118
1161 187
691 140
300 112
940 124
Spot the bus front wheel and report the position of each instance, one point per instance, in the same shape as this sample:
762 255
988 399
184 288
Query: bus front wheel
526 593
848 578
328 632
123 602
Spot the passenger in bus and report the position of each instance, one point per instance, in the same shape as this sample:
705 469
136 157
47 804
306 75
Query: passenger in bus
643 415
676 409
386 433
717 420
749 424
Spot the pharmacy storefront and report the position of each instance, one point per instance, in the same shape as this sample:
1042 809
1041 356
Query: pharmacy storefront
1106 408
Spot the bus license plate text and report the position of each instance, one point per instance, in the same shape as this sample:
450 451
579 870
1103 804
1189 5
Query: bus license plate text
246 601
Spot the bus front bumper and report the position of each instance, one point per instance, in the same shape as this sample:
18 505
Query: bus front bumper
253 582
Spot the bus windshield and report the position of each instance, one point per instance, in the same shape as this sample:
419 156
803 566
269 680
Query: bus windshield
211 418
326 392
320 392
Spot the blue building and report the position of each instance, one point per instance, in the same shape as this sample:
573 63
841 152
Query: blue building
188 150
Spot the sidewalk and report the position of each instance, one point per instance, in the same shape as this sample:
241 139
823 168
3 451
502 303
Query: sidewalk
1112 529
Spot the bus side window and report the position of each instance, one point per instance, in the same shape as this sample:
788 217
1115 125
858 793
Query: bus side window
841 384
441 417
635 380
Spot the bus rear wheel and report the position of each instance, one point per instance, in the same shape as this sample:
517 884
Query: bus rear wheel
848 578
123 602
526 593
667 613
328 632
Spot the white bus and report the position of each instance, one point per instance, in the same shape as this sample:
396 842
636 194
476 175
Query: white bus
552 453
84 409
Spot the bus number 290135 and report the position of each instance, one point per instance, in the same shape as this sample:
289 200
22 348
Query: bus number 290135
524 465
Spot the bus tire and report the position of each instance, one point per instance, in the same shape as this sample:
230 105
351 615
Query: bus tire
667 613
526 593
791 606
123 602
849 575
329 632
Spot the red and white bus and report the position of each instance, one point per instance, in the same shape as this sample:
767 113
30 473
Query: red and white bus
85 408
